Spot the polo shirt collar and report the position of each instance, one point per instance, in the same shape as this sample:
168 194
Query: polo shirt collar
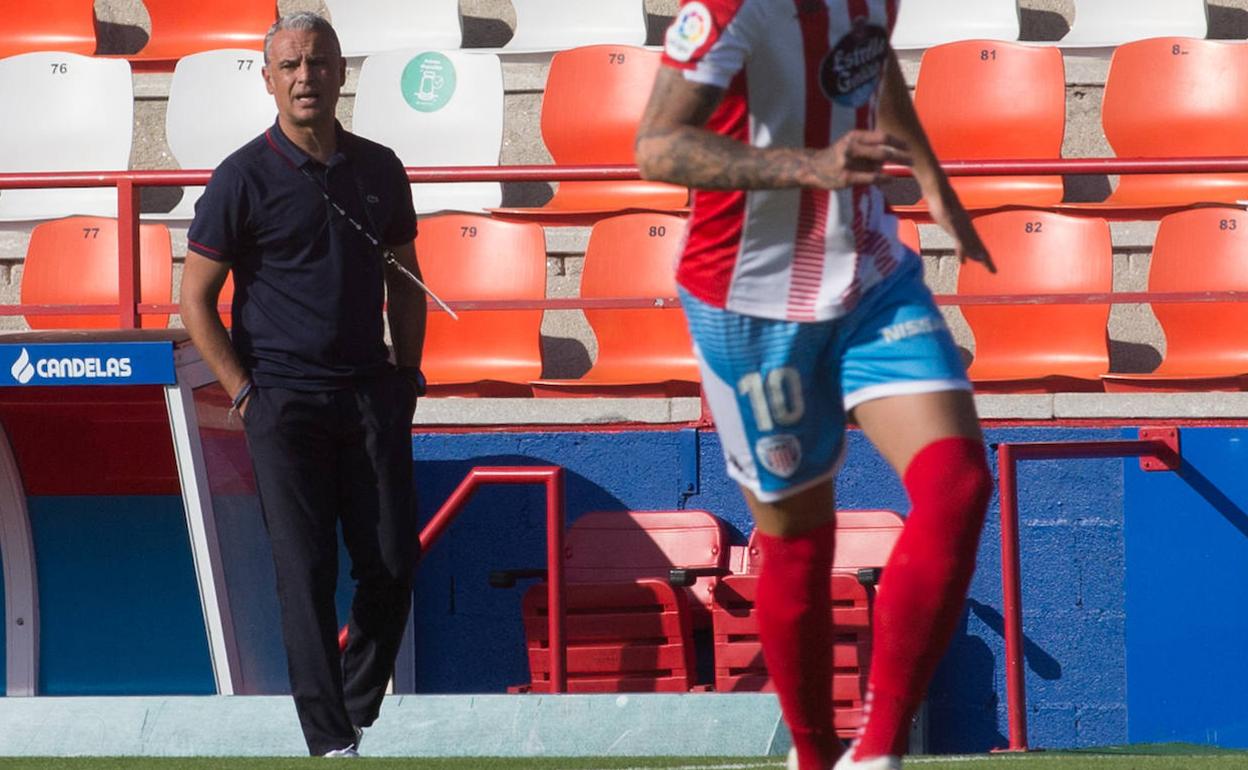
281 144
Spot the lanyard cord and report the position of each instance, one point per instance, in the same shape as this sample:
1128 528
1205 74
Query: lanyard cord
387 253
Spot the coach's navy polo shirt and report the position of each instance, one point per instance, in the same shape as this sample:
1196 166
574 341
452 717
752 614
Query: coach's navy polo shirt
308 287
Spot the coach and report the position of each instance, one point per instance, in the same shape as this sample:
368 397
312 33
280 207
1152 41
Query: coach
316 225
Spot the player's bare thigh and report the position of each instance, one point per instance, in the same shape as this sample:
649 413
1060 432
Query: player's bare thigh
800 512
899 426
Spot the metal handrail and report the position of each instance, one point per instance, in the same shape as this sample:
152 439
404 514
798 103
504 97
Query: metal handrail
128 184
552 478
1158 450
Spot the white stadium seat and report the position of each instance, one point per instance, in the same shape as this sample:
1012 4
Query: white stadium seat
217 103
1108 23
553 25
373 26
436 108
926 23
63 112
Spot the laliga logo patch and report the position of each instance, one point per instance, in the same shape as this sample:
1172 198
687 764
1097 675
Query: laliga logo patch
22 369
691 30
852 68
781 454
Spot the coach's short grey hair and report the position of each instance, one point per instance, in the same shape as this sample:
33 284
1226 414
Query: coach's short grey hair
304 20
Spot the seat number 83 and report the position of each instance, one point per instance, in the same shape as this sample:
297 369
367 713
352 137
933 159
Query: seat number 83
775 399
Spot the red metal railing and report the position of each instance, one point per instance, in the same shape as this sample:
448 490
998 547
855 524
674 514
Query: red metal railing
552 478
1158 449
128 184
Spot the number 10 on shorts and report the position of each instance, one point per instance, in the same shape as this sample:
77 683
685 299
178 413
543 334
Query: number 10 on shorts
775 399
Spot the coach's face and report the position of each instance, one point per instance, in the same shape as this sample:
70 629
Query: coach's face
305 73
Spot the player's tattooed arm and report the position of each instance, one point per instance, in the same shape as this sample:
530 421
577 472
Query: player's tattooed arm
673 146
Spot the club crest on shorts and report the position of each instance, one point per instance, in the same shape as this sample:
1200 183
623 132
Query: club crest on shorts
852 69
780 454
691 30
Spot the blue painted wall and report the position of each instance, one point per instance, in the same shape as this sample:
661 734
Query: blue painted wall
1072 556
119 610
1142 621
1187 608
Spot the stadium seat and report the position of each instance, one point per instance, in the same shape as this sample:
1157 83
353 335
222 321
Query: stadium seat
436 108
367 27
217 103
180 28
927 23
864 540
73 261
967 96
49 25
1176 98
1110 23
1039 348
64 112
554 25
485 352
908 234
594 99
641 351
628 629
1202 249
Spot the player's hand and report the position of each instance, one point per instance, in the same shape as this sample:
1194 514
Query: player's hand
858 158
947 211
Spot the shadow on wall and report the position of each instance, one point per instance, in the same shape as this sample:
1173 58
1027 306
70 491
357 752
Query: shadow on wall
963 700
1037 25
502 527
1206 488
485 33
656 27
115 38
1227 23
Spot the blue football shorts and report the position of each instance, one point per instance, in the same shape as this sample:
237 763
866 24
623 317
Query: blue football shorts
779 390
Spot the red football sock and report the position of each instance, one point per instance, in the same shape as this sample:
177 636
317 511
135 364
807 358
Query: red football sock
924 586
795 628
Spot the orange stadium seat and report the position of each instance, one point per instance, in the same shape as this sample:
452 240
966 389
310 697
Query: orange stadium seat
472 257
908 234
73 261
864 540
967 96
49 25
180 28
641 351
1039 348
1203 249
594 99
1172 98
628 629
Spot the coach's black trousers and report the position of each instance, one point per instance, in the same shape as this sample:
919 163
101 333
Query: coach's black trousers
321 457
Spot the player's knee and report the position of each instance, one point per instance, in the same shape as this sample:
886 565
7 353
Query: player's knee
950 479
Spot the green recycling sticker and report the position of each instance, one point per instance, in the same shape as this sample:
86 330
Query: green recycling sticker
428 81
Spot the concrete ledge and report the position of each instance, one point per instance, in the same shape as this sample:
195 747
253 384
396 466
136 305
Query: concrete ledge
1004 407
556 411
701 724
1188 406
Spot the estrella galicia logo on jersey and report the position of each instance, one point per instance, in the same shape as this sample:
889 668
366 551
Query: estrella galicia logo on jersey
691 30
127 363
852 69
781 454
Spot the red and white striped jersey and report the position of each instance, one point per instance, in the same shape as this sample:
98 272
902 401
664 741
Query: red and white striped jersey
796 73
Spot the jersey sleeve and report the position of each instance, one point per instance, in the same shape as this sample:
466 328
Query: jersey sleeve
221 215
401 228
708 41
